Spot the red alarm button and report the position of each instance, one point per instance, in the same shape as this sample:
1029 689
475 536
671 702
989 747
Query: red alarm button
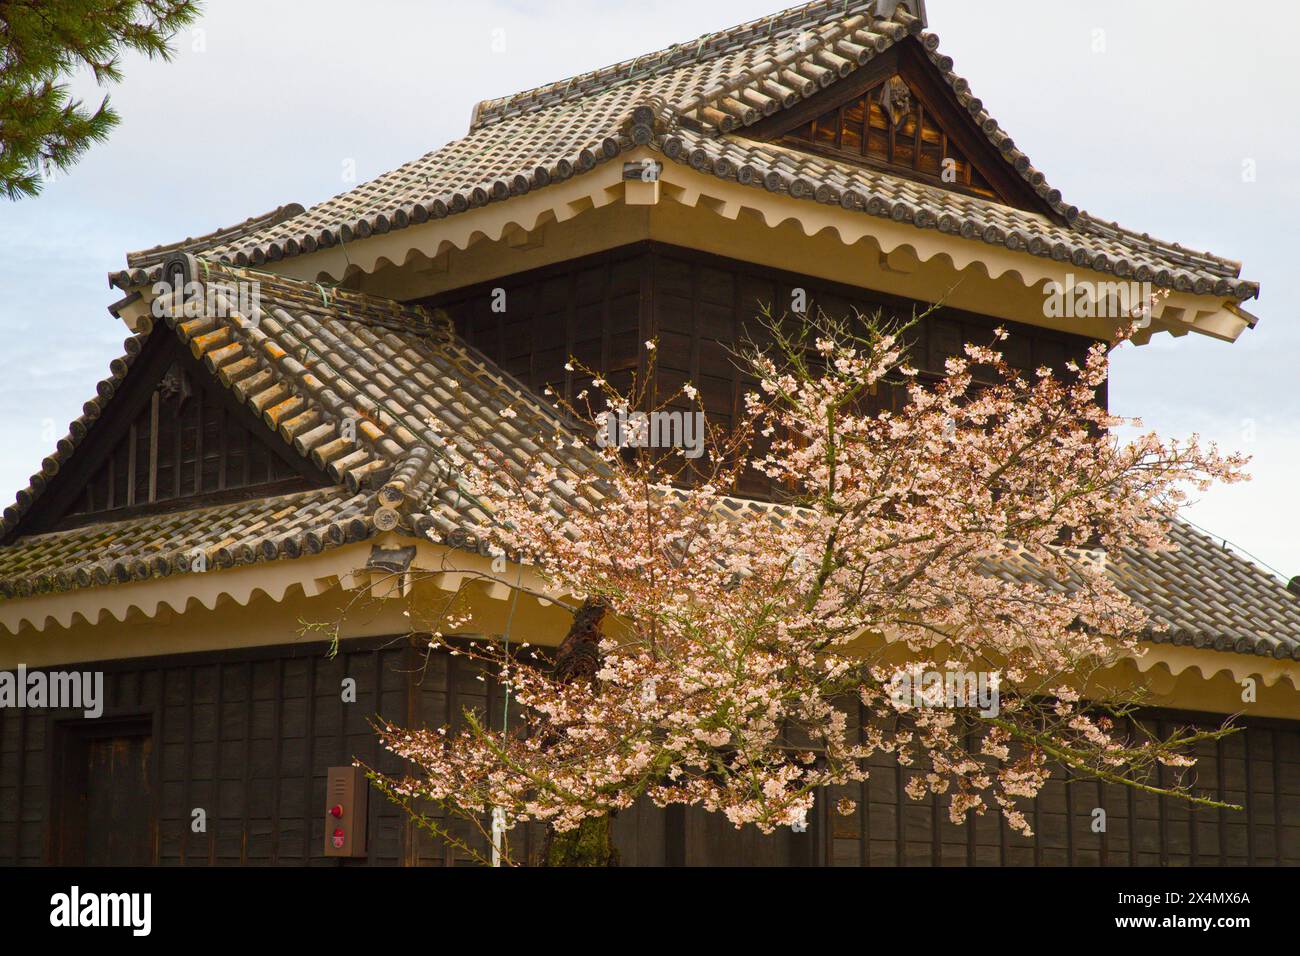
338 838
336 811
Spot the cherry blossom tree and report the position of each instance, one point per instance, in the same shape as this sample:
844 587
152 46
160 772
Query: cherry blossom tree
724 650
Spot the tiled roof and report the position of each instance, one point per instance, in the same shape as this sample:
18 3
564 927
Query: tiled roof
698 95
314 357
1199 594
165 544
1206 595
1086 243
1202 594
220 236
311 359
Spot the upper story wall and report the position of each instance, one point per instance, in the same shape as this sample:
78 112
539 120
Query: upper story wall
701 309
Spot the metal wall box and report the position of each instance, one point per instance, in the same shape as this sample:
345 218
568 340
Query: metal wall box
345 812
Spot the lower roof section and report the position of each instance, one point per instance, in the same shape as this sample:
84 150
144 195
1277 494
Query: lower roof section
311 361
184 542
301 601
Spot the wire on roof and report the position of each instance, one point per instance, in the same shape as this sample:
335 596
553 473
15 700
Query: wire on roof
1236 547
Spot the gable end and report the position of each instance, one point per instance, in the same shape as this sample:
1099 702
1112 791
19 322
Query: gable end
170 437
895 114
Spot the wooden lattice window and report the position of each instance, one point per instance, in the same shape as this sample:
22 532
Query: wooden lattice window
889 125
898 114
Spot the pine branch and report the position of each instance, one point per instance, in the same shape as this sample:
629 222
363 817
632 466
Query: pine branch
42 43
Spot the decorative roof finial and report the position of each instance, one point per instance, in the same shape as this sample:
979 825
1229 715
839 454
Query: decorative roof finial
884 9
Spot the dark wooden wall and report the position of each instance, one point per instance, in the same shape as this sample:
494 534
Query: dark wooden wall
702 309
1259 768
248 735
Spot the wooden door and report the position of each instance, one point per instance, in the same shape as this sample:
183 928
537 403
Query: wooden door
106 806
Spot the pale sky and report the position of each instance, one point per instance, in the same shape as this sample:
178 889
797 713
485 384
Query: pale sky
1143 111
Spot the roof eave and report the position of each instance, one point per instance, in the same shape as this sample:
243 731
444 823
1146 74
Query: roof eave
693 184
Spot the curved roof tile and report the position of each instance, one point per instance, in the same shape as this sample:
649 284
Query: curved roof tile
708 90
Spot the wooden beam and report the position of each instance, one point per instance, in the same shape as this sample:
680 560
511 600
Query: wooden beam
153 447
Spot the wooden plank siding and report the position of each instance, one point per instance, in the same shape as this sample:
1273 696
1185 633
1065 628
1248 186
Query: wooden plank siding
248 735
702 309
